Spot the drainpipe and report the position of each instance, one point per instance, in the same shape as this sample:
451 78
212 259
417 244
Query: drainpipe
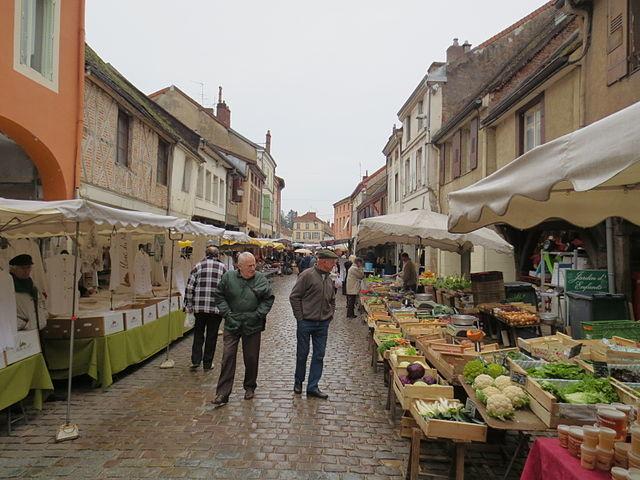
610 256
80 103
170 178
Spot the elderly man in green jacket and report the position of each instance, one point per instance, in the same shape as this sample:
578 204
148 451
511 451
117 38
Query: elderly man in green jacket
244 299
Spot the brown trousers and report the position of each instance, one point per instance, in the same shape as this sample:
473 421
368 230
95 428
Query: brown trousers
250 355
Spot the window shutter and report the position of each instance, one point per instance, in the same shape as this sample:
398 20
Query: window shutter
455 155
617 44
442 163
473 144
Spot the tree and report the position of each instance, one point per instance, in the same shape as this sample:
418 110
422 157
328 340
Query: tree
287 220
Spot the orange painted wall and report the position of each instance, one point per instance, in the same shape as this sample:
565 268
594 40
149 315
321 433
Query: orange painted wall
46 124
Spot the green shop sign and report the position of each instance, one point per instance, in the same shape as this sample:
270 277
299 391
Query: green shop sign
586 281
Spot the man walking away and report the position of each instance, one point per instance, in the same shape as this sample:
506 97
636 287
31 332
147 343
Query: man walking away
354 277
244 299
345 272
198 299
313 302
409 275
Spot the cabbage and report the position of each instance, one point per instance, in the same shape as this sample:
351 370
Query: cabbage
404 380
415 371
429 380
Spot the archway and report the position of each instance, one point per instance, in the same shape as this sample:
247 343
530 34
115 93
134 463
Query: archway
44 180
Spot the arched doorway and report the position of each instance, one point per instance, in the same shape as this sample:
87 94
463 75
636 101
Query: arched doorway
19 176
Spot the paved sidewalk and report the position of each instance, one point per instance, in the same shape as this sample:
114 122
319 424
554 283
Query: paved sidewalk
155 423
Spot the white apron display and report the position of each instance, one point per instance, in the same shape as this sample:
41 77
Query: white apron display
8 317
60 277
142 273
121 262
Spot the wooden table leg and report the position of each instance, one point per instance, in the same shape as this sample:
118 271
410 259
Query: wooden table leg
389 395
460 452
414 454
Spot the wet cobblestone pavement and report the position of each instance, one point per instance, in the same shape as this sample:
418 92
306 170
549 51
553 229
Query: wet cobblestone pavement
155 423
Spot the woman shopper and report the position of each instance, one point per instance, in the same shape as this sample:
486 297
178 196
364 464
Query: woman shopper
345 272
354 277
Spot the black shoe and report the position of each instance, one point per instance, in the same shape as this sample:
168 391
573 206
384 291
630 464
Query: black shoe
194 366
318 394
249 394
220 401
297 388
208 367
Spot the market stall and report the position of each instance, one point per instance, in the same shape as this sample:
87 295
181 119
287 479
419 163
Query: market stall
124 325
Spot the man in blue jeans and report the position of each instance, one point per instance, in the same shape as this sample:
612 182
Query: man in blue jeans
313 301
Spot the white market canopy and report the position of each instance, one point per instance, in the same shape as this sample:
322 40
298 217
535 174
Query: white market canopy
40 219
583 177
423 227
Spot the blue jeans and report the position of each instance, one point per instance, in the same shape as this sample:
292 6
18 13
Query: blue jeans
316 332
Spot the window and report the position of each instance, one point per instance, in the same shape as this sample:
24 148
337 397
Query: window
396 188
465 145
307 235
122 138
315 225
419 179
306 226
407 128
200 183
407 176
37 38
215 195
420 113
163 163
298 235
295 226
222 192
186 176
208 186
634 35
532 128
315 235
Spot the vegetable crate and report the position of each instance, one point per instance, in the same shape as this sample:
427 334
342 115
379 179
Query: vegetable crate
406 394
414 330
629 393
611 328
617 350
550 410
396 360
552 347
461 431
450 359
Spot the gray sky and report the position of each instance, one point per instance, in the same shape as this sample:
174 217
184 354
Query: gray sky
327 77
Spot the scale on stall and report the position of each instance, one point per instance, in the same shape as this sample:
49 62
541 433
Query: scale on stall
461 323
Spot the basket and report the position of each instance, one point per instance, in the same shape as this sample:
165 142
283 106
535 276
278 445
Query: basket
611 328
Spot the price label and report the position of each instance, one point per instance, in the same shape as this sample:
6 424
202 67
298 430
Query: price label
575 351
470 406
600 369
519 378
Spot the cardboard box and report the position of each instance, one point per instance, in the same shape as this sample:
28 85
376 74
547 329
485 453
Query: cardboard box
96 325
149 313
176 303
132 318
163 307
27 344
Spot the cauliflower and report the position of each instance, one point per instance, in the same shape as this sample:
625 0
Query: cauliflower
502 382
499 406
482 381
495 370
485 393
517 396
472 369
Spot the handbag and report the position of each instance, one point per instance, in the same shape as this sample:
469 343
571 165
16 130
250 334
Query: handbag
189 320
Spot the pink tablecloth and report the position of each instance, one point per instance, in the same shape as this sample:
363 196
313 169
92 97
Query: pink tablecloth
547 460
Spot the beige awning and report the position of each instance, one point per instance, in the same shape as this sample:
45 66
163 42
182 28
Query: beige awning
423 227
583 178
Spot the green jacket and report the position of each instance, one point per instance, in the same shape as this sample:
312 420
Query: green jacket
244 304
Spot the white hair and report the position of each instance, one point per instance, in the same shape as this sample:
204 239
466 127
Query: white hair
245 255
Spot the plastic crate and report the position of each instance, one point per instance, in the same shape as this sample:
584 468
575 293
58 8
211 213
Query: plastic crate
522 290
595 307
611 328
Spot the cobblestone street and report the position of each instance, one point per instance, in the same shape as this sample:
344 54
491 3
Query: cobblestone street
155 423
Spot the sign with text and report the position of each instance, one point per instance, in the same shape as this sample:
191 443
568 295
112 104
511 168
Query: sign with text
586 281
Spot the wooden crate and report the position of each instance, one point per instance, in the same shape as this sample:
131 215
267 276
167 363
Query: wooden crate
398 359
601 353
461 431
414 330
407 424
406 394
552 347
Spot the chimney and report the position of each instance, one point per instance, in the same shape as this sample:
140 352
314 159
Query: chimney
466 46
455 51
267 145
223 113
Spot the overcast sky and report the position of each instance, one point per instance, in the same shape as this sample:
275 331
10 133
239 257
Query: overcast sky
326 76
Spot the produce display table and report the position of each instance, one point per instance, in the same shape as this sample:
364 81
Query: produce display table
102 357
547 460
524 422
18 379
512 329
